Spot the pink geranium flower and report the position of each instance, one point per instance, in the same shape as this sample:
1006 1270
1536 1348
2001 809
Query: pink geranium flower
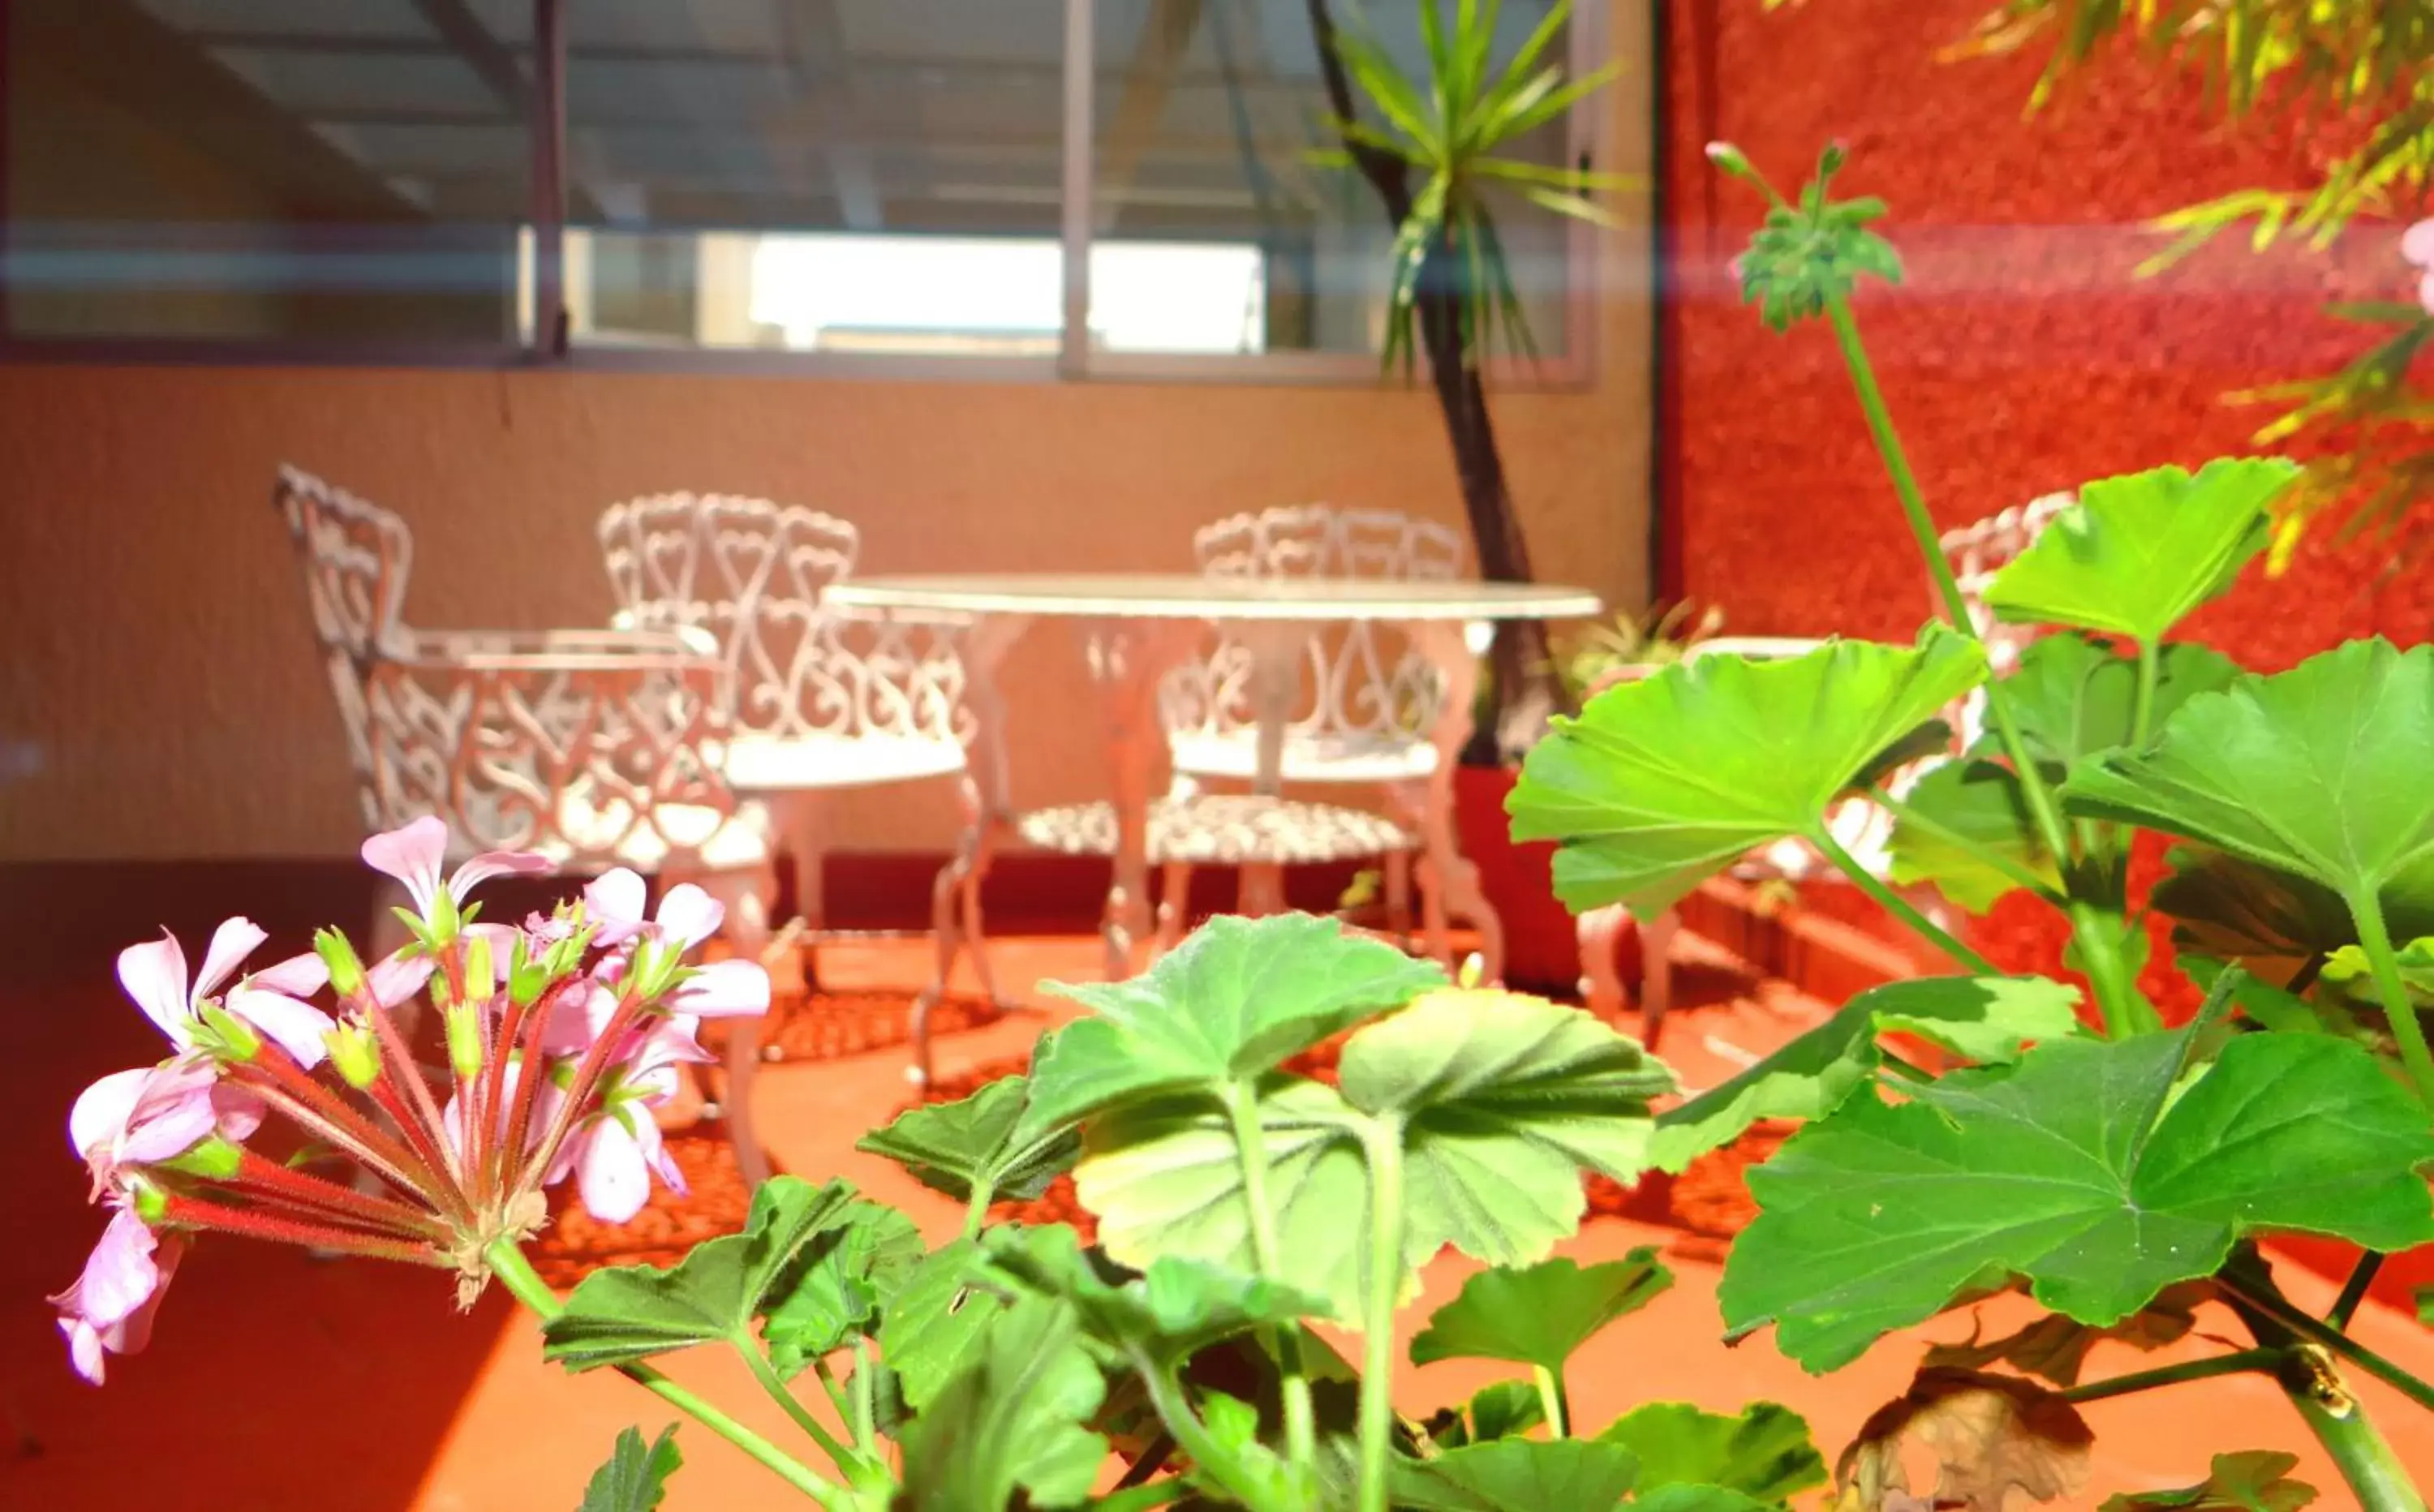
615 1149
156 1113
686 917
413 854
154 975
2417 248
109 1309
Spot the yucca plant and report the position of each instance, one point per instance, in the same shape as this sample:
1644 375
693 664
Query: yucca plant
2359 68
1433 147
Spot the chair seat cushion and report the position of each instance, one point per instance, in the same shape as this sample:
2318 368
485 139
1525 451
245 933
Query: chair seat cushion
1223 829
1334 759
767 763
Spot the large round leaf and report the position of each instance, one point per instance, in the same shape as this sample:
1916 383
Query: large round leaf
2137 553
2320 771
1662 783
2080 1170
1230 1003
2073 697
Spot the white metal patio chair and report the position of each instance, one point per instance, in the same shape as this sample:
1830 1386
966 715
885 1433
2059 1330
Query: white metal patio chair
811 701
1862 827
1366 713
586 746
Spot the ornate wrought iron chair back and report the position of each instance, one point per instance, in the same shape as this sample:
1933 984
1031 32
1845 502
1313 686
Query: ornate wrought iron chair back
584 745
355 557
1366 685
753 574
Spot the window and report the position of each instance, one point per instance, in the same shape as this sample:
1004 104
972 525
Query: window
263 170
1119 186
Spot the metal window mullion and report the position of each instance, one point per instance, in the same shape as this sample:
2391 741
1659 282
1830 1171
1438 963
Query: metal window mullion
549 180
1081 44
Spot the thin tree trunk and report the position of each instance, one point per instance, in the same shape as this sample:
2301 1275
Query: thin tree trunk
1522 688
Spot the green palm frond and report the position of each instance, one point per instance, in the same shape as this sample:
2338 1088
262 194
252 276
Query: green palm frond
1454 131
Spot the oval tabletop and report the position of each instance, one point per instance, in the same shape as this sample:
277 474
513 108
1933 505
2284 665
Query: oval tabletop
1190 596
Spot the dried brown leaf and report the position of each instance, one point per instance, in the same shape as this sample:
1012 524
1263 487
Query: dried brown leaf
1983 1435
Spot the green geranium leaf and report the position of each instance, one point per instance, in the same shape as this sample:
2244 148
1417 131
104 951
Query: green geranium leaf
1954 816
1165 1180
635 1477
2138 553
2318 772
937 1322
1266 1477
2082 1169
1230 1003
1012 1417
2228 909
2055 1348
1568 1475
844 1278
2347 969
1540 1314
1501 1101
957 1147
1661 783
1682 1498
2073 697
630 1313
1502 1409
1763 1453
1177 1309
2254 1480
1984 1019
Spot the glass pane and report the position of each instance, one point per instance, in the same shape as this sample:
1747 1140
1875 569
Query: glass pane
862 175
1208 112
272 170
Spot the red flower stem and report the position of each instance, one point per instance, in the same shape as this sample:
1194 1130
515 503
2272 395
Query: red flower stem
401 1077
438 1184
263 1174
586 1083
491 1158
195 1212
312 1108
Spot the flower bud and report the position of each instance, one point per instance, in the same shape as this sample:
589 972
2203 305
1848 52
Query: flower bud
1473 967
338 955
528 982
480 982
213 1159
228 1036
1731 159
150 1204
355 1053
464 1025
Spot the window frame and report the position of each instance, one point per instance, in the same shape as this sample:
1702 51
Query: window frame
548 347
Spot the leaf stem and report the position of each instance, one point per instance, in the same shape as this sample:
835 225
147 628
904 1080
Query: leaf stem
2142 713
836 1393
2366 910
1553 1402
2122 1385
976 1208
1193 1436
2375 1476
2271 1302
1899 906
1382 1143
1250 1146
516 1273
2345 1306
2116 993
849 1464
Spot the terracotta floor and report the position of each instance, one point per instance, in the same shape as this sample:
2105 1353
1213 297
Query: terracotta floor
275 1383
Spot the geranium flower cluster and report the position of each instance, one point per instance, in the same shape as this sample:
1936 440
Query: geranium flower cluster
561 1036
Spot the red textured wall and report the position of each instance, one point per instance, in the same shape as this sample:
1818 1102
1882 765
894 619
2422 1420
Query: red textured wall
2020 356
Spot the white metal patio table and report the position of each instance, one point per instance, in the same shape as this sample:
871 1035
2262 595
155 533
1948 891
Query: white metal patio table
1134 627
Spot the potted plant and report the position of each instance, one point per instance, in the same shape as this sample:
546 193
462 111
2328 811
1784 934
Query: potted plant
1435 148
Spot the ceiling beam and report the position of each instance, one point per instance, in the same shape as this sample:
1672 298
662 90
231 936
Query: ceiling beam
1166 29
826 80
